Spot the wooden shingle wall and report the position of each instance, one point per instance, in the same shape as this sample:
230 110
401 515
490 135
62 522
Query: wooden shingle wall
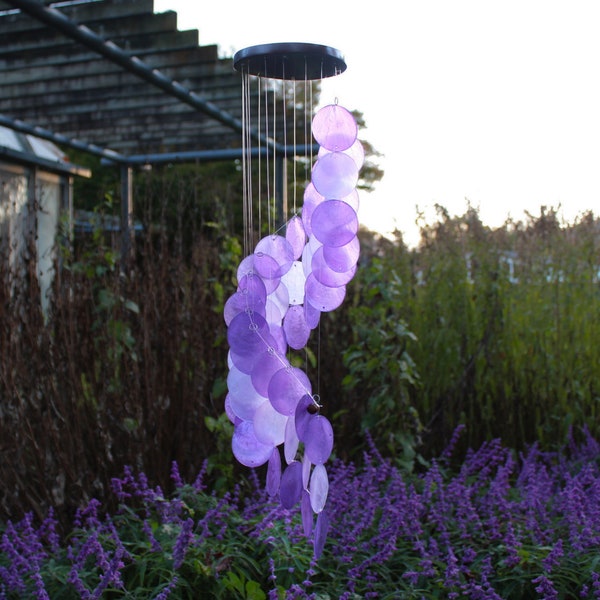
47 79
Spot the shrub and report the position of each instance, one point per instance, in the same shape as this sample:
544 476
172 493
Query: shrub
496 524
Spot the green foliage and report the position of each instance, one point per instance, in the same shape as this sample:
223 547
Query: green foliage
219 461
506 320
99 263
494 329
498 525
379 364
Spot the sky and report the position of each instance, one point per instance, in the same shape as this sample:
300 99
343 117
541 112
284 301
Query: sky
493 104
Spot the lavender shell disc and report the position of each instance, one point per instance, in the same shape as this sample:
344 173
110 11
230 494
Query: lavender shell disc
274 473
335 223
319 488
286 388
296 235
335 175
318 439
334 127
297 330
283 287
290 490
322 297
246 448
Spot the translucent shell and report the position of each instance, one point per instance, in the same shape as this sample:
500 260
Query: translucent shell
290 490
334 223
319 488
283 288
335 175
286 388
246 448
318 439
334 127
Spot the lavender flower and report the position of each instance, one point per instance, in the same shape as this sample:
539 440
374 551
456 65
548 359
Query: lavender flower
182 543
166 591
545 588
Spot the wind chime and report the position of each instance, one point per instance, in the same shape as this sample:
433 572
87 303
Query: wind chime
296 271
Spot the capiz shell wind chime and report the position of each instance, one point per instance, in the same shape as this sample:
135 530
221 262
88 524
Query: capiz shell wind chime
296 271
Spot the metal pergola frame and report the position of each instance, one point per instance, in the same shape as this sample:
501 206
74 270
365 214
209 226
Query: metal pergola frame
84 35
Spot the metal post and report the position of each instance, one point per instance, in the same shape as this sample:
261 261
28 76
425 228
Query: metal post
126 214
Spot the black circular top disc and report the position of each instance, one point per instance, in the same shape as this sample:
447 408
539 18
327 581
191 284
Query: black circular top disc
287 60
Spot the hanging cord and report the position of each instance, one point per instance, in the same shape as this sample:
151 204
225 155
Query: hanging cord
250 207
283 200
272 209
258 127
245 191
307 132
295 146
267 155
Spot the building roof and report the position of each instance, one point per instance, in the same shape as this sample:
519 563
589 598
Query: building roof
115 74
30 150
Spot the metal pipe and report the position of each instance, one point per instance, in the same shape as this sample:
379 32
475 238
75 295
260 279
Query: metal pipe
58 138
207 155
126 215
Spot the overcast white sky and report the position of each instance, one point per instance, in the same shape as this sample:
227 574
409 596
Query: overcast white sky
496 102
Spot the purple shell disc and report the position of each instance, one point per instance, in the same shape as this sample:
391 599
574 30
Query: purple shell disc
312 245
302 416
231 415
246 448
312 199
307 514
334 127
297 331
335 223
253 285
294 281
273 473
286 388
319 488
281 297
342 258
290 489
243 397
334 175
267 364
269 425
295 235
246 332
277 247
245 362
356 152
318 439
312 315
263 266
280 345
352 199
240 302
291 441
274 312
306 467
327 276
321 530
322 297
